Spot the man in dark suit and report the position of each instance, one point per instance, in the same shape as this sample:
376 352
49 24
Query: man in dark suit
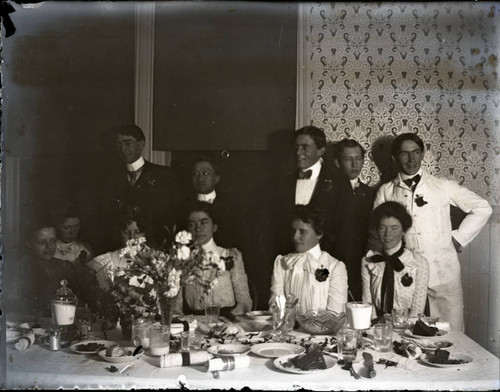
139 183
205 175
312 183
352 213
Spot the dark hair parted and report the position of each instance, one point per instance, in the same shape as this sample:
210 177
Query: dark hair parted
347 143
316 134
62 211
130 130
308 214
207 160
398 141
203 206
391 209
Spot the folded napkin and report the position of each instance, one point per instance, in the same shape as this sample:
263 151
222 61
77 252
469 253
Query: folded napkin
183 325
184 359
25 341
443 325
228 363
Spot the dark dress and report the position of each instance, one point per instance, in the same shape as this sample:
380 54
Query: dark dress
352 216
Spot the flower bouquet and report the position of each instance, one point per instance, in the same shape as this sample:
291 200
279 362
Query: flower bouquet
151 281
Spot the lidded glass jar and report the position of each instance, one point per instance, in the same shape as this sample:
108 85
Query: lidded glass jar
63 305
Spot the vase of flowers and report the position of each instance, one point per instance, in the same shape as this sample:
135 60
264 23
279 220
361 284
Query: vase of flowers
149 284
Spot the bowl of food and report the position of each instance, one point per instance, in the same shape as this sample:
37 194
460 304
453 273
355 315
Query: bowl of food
321 323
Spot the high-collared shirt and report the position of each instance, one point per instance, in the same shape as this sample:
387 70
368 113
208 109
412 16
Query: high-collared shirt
305 188
315 251
210 246
209 197
395 249
404 176
354 183
134 166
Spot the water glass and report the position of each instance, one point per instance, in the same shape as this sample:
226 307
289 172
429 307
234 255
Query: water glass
382 337
359 315
399 318
190 341
140 333
347 344
159 339
212 312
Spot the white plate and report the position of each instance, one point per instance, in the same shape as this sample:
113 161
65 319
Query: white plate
439 335
77 347
233 350
219 329
264 315
466 358
129 358
279 363
275 349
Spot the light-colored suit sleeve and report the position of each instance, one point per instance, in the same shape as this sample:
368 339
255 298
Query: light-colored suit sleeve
337 294
277 280
478 211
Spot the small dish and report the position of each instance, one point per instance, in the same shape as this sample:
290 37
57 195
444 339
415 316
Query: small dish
425 359
128 358
438 335
280 364
226 350
90 346
432 345
275 349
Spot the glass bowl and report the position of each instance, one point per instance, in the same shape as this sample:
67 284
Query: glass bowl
321 323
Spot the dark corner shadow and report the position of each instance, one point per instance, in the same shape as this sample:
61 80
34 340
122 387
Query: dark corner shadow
280 148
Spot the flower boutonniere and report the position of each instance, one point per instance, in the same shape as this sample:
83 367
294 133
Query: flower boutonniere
406 280
327 185
419 200
229 262
321 274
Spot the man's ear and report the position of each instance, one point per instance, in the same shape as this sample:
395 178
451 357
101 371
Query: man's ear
215 228
336 161
141 144
217 179
322 151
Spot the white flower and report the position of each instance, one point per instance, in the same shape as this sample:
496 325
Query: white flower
183 237
134 282
183 252
211 258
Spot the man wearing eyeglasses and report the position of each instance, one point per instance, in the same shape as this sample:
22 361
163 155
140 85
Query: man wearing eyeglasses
428 200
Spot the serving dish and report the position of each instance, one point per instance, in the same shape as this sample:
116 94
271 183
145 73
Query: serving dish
124 359
275 349
280 364
231 349
80 347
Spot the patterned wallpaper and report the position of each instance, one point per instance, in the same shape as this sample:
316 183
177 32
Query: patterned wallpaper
375 70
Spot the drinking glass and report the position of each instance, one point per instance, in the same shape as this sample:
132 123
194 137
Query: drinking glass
159 339
280 324
382 337
399 318
347 344
212 312
140 333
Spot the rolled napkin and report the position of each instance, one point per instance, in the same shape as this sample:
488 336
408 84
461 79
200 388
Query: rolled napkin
25 341
228 363
184 359
182 326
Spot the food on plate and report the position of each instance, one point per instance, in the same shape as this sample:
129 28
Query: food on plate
422 329
311 359
90 347
117 351
442 357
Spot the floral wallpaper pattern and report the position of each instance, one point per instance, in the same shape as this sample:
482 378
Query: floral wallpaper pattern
376 70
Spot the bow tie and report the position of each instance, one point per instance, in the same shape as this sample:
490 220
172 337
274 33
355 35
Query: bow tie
304 175
412 182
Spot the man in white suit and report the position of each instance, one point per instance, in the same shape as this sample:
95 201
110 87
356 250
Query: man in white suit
428 200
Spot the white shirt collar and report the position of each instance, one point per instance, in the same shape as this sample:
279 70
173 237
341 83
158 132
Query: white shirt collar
406 176
210 246
315 251
395 249
354 183
316 168
209 197
134 166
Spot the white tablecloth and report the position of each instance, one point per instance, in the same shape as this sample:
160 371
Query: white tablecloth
38 367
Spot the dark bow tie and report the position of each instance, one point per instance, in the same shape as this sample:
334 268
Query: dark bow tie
392 263
304 175
412 182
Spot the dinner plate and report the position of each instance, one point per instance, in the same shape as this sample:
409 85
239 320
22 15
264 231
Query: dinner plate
425 359
280 364
79 347
432 345
225 350
128 358
439 335
262 315
276 349
220 329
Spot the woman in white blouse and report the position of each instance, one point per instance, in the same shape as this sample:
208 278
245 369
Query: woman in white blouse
395 278
230 290
317 279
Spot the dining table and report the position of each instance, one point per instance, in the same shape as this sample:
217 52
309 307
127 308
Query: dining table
37 367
